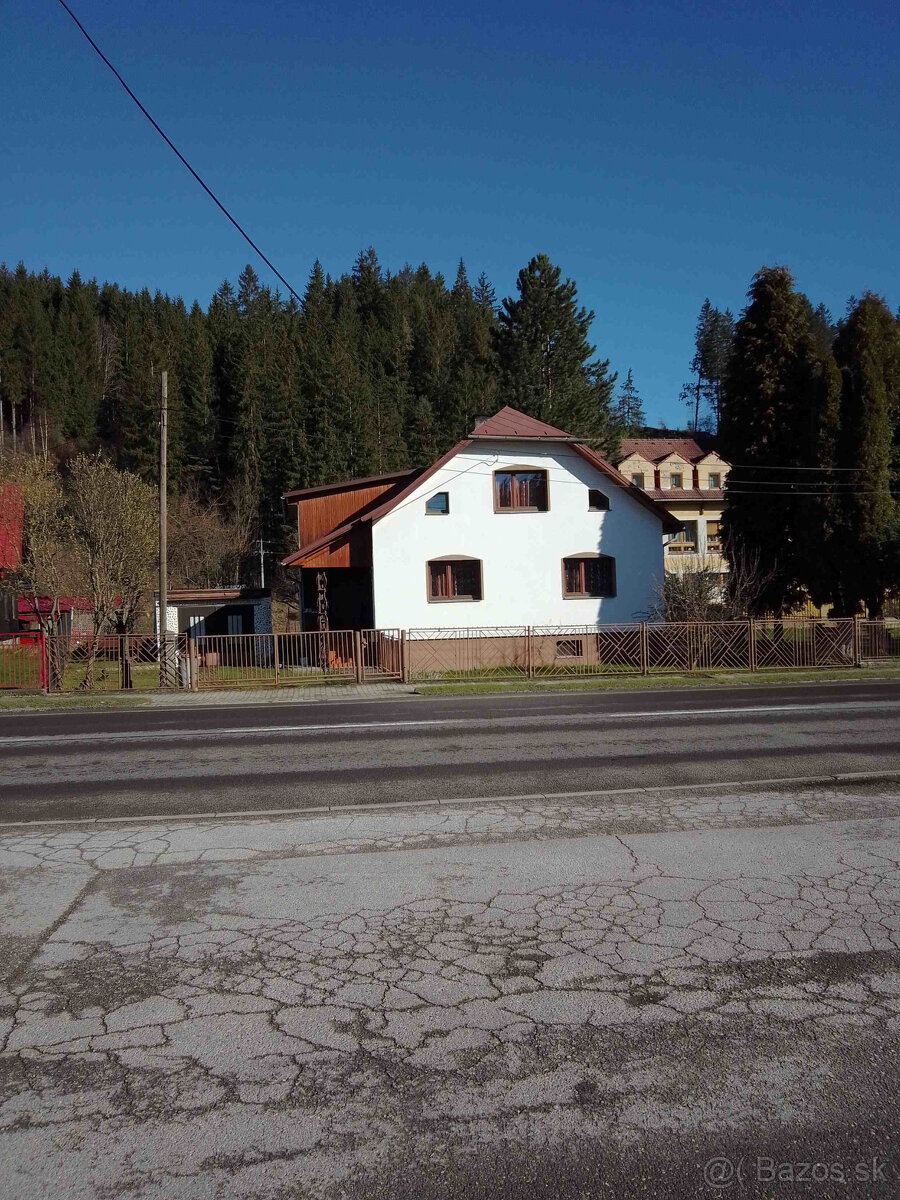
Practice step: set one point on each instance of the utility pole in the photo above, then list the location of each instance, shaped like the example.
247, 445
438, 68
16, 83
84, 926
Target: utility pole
165, 672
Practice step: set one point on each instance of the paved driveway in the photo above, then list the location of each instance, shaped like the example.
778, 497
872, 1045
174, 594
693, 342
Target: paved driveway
490, 1000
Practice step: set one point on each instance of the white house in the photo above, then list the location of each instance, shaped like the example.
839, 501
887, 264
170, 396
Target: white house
518, 524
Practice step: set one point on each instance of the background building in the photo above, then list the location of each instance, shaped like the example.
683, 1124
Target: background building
688, 478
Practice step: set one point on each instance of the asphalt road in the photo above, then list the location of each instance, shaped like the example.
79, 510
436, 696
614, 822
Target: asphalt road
645, 998
133, 763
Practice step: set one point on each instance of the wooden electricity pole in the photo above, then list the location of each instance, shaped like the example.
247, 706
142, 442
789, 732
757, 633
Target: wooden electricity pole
165, 671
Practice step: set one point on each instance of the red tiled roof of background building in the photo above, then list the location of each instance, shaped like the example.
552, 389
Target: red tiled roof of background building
509, 423
11, 518
27, 612
656, 449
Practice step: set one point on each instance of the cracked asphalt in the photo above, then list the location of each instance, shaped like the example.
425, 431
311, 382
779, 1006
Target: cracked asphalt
550, 1000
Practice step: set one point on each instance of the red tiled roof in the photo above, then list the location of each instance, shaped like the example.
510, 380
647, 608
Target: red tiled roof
510, 423
26, 610
656, 449
11, 517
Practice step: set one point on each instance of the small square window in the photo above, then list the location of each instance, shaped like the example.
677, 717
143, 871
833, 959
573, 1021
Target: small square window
637, 480
676, 481
569, 648
715, 481
438, 504
597, 500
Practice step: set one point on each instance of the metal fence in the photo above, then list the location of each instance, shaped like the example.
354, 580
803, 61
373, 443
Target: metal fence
136, 662
22, 661
645, 648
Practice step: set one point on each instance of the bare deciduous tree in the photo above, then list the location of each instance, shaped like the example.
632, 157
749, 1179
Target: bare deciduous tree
206, 546
697, 592
114, 526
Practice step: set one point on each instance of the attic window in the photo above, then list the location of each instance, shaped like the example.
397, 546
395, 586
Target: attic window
438, 504
676, 481
597, 500
715, 481
637, 479
520, 491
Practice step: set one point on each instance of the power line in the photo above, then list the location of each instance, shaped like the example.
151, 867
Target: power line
765, 467
246, 236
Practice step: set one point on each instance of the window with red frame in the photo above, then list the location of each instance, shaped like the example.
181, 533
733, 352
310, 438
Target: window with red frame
590, 576
520, 491
454, 579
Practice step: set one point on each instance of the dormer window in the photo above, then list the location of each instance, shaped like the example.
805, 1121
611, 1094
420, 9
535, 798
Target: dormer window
597, 501
676, 480
637, 479
715, 481
520, 490
438, 504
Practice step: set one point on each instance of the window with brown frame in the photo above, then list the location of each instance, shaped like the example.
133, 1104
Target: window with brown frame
452, 579
589, 575
520, 491
715, 480
676, 481
597, 501
637, 479
438, 504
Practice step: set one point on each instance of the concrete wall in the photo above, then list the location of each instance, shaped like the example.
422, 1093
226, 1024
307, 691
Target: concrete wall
521, 553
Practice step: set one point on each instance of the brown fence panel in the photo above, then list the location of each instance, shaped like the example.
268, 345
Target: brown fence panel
879, 640
799, 643
698, 646
491, 653
81, 662
306, 659
233, 660
22, 660
382, 653
565, 651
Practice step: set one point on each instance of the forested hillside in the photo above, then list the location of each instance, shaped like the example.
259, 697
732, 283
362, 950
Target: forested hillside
371, 372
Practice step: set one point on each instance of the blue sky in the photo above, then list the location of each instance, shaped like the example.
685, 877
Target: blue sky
659, 152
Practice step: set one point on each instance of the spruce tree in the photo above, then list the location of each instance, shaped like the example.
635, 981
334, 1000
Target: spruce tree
779, 411
547, 365
713, 339
630, 407
864, 558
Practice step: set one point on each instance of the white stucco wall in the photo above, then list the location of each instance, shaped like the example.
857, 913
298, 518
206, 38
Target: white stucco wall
521, 553
171, 618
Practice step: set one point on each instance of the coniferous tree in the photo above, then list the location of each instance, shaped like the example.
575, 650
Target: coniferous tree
547, 368
712, 350
630, 407
865, 550
779, 411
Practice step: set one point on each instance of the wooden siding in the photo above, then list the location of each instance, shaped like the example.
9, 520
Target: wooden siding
353, 549
317, 514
